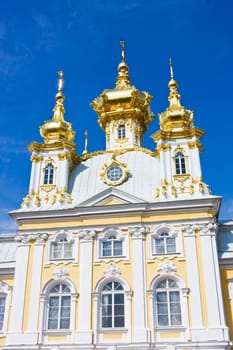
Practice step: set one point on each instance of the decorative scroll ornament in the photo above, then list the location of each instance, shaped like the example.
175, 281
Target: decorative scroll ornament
166, 268
138, 232
112, 270
4, 287
87, 235
27, 238
60, 273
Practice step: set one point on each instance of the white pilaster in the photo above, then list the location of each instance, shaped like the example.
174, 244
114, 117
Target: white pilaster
17, 311
216, 323
195, 165
34, 300
84, 334
140, 333
193, 283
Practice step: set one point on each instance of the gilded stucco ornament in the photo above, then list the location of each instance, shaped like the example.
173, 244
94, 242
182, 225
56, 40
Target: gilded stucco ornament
114, 172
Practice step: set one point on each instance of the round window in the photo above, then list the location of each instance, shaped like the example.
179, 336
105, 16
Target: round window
114, 173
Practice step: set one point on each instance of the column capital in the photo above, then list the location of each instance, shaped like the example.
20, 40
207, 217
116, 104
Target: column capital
86, 235
138, 232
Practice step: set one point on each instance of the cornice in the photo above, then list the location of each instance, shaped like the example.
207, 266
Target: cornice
209, 204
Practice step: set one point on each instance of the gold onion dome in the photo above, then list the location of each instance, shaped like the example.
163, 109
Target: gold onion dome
57, 129
124, 101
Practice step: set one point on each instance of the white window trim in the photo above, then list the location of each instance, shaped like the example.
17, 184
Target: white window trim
52, 240
173, 233
97, 316
183, 303
104, 236
5, 290
44, 307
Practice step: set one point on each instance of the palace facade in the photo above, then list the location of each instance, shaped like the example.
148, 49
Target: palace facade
122, 248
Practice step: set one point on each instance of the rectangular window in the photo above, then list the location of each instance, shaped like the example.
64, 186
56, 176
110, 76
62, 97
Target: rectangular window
2, 310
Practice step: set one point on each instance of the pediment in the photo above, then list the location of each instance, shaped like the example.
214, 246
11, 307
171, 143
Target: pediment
111, 196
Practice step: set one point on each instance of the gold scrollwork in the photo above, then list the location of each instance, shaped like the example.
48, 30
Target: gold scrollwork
181, 177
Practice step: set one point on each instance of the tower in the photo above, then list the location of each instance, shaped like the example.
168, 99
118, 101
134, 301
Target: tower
53, 160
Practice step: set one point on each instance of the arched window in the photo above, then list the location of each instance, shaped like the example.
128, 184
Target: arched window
49, 174
62, 249
121, 131
59, 306
164, 243
180, 163
112, 246
2, 310
112, 305
167, 303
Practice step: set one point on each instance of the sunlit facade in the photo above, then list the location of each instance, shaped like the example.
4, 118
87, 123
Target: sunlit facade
120, 248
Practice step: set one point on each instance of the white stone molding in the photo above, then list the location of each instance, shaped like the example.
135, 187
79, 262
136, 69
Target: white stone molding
166, 268
112, 271
138, 232
86, 235
60, 273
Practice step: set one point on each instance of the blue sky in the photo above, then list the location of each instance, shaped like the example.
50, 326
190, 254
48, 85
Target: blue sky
38, 38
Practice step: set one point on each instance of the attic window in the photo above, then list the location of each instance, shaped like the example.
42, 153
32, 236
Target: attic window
49, 174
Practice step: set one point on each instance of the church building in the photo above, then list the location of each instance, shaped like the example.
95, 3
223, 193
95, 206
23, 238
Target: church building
119, 249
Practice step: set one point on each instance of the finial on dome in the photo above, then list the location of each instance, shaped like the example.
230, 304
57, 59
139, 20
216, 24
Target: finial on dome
173, 85
122, 43
85, 151
123, 79
60, 81
171, 68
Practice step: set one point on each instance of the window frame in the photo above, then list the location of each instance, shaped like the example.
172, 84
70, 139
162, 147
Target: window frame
183, 293
49, 174
167, 304
172, 233
111, 296
60, 296
121, 131
104, 237
45, 306
54, 241
65, 245
99, 331
180, 163
6, 293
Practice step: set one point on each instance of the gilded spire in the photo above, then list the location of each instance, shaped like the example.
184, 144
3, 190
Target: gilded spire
123, 79
57, 128
174, 97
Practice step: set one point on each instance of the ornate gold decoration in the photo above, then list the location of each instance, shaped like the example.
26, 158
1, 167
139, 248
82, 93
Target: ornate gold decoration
195, 144
64, 156
36, 158
124, 102
181, 177
114, 162
163, 147
191, 189
47, 188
